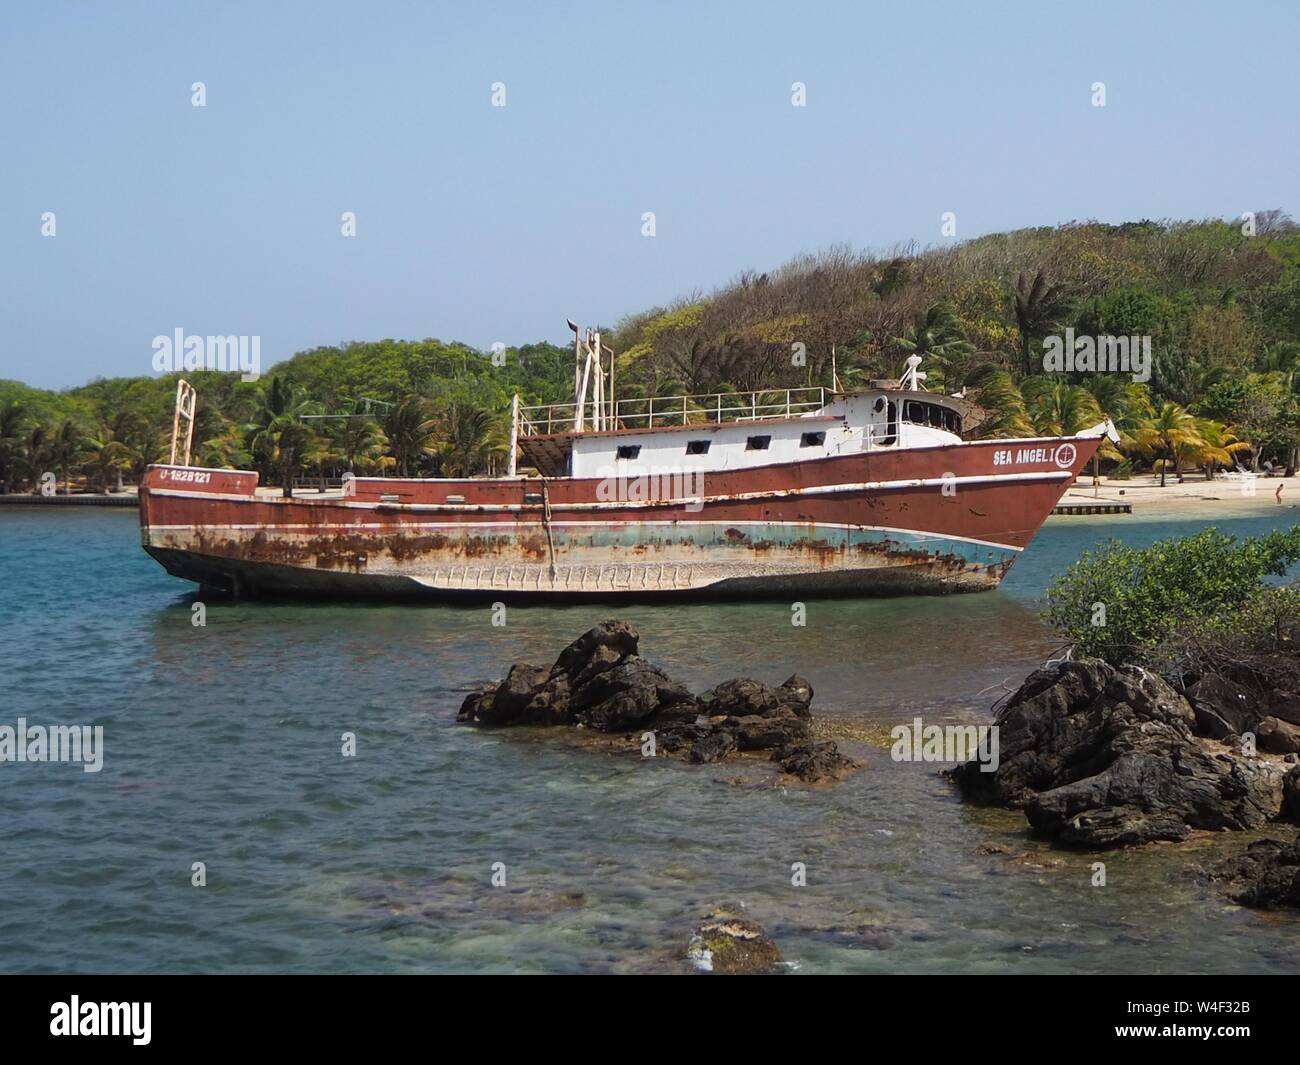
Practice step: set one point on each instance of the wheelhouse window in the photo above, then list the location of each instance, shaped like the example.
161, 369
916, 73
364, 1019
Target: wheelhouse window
698, 447
758, 443
933, 415
812, 440
629, 451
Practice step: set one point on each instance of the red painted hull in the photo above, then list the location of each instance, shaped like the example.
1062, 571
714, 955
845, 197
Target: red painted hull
936, 519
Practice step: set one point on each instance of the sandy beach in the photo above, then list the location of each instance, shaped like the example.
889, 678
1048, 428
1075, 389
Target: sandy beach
1194, 498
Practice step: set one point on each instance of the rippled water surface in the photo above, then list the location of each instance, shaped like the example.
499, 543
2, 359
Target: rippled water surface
222, 746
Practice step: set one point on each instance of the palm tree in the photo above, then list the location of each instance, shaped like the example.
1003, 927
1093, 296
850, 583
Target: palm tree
358, 442
1126, 403
937, 333
1219, 445
469, 437
108, 456
1038, 307
281, 443
1172, 431
67, 449
35, 455
1003, 405
227, 450
1058, 408
412, 432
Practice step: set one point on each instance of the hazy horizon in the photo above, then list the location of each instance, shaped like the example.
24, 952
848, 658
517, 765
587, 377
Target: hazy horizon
483, 224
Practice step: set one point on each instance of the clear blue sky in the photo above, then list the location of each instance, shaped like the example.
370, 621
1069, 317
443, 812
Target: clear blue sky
484, 224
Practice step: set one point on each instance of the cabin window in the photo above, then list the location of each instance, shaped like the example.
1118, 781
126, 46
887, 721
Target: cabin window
629, 451
698, 447
455, 499
812, 440
534, 497
758, 443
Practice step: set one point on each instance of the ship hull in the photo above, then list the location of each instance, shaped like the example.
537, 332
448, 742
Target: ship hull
933, 520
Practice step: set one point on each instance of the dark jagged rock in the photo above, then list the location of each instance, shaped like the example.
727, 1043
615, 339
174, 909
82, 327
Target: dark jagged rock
513, 694
713, 747
762, 732
1291, 794
550, 703
682, 735
727, 942
618, 637
476, 702
1278, 736
625, 694
1285, 705
601, 682
1102, 757
1265, 875
747, 698
813, 762
1223, 708
1117, 826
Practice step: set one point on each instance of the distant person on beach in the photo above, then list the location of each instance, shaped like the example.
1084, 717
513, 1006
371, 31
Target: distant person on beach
1278, 494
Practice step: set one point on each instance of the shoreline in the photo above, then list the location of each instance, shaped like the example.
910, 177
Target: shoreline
1194, 499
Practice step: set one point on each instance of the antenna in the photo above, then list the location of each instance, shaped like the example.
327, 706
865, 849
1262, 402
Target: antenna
912, 377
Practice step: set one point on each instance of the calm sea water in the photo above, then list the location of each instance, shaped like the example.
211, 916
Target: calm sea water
222, 746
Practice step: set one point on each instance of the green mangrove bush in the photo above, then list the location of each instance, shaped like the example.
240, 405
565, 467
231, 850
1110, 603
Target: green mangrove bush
1120, 603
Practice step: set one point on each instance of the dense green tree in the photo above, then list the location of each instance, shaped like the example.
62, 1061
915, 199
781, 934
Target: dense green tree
14, 428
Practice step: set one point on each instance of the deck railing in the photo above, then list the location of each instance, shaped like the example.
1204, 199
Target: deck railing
710, 408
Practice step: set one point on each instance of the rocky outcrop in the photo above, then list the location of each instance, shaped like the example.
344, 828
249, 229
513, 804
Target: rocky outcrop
727, 942
1278, 736
1266, 875
1291, 795
601, 682
1102, 757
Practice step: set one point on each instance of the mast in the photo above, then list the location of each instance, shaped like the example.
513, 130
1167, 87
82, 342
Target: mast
514, 432
186, 398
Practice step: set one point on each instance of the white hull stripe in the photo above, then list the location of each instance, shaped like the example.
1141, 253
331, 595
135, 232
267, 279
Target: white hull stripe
739, 497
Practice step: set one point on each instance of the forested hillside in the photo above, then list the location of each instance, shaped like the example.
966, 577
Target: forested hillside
1219, 300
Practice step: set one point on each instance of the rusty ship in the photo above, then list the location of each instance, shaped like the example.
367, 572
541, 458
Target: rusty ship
811, 491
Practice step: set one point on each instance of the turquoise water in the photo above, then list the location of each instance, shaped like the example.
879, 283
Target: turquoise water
222, 746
